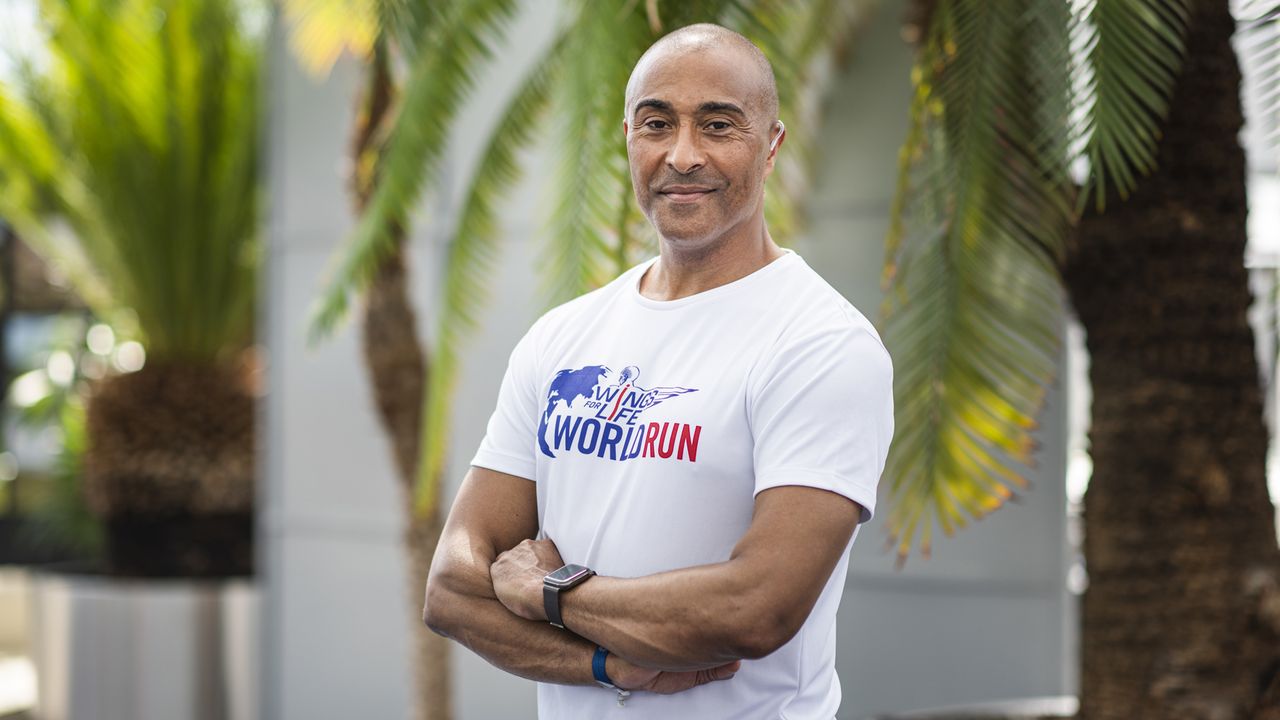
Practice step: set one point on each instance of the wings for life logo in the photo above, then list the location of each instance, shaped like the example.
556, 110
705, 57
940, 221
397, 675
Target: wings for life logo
600, 416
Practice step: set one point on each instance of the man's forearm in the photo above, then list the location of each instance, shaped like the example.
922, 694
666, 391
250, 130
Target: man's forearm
534, 650
743, 608
492, 514
679, 620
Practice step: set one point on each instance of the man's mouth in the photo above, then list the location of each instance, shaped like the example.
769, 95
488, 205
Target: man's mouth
685, 193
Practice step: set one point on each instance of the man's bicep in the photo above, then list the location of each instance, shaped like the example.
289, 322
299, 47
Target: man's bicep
492, 513
796, 537
493, 510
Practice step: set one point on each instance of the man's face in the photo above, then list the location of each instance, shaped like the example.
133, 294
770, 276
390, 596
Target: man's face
698, 144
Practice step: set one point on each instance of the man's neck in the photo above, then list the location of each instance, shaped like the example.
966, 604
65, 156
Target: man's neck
677, 275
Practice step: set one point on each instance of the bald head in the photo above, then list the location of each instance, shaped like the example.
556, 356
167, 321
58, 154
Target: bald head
709, 38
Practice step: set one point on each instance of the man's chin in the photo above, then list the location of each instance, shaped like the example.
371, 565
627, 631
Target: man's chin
683, 240
687, 234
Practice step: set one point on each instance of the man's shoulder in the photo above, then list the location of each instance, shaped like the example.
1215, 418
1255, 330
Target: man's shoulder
815, 309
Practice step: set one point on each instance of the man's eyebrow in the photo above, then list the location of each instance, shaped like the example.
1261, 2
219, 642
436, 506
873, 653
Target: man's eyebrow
724, 107
703, 109
654, 103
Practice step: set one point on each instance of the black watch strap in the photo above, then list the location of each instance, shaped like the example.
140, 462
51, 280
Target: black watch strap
551, 601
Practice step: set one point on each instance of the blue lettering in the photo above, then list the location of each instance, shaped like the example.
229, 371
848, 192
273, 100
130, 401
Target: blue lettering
565, 432
639, 435
585, 445
607, 394
612, 433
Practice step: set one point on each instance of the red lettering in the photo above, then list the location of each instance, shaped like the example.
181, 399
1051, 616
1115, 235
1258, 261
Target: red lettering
689, 442
666, 448
650, 434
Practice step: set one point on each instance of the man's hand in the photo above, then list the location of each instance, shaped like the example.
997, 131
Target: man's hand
517, 577
630, 676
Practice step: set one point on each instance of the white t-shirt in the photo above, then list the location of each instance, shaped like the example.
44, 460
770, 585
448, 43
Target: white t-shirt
649, 428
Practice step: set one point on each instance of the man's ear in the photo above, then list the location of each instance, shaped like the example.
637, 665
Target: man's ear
777, 139
625, 128
773, 148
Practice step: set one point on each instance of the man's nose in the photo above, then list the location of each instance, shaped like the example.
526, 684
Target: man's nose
685, 154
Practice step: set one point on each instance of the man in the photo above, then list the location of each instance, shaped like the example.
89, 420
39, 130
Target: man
703, 435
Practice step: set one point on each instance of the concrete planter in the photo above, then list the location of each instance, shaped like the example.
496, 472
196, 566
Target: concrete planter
172, 649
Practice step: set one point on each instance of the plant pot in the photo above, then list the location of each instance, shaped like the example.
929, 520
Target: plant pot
171, 649
1055, 707
191, 545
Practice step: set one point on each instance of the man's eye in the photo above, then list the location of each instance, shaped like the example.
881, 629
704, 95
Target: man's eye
656, 124
718, 125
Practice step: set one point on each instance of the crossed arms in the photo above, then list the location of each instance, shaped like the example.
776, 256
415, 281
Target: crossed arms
665, 632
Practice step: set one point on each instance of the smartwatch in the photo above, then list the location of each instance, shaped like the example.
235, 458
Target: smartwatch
566, 578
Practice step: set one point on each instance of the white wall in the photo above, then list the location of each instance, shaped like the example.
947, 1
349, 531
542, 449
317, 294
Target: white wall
334, 618
987, 617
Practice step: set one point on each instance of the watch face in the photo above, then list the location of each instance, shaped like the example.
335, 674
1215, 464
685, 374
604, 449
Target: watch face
568, 575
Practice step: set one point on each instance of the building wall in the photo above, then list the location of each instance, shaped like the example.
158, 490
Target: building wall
987, 617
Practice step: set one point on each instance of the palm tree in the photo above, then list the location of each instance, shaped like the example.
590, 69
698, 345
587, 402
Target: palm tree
1181, 617
598, 233
390, 163
128, 157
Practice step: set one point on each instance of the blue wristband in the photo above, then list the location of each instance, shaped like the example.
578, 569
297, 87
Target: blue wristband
597, 667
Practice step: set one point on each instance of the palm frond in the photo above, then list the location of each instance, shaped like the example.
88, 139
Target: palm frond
802, 42
320, 31
440, 78
140, 139
408, 23
1134, 49
973, 303
471, 262
1258, 39
601, 49
30, 164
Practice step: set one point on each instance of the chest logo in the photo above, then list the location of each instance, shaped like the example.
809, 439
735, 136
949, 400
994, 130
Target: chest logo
599, 414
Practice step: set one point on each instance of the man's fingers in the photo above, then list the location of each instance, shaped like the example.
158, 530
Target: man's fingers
723, 672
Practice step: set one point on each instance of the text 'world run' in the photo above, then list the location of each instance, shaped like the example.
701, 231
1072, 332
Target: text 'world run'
590, 436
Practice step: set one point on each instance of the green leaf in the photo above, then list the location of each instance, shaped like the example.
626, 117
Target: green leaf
129, 160
973, 295
471, 262
441, 77
1134, 49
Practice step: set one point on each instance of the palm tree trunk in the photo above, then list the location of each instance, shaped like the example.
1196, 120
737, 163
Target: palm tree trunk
397, 369
1181, 617
397, 372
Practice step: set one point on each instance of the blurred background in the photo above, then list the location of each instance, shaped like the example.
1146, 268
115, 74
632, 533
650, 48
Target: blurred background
262, 265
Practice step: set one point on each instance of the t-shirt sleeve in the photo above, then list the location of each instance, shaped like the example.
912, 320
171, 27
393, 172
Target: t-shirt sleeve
821, 414
510, 437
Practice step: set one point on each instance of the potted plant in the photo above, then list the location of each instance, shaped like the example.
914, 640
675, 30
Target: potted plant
128, 157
